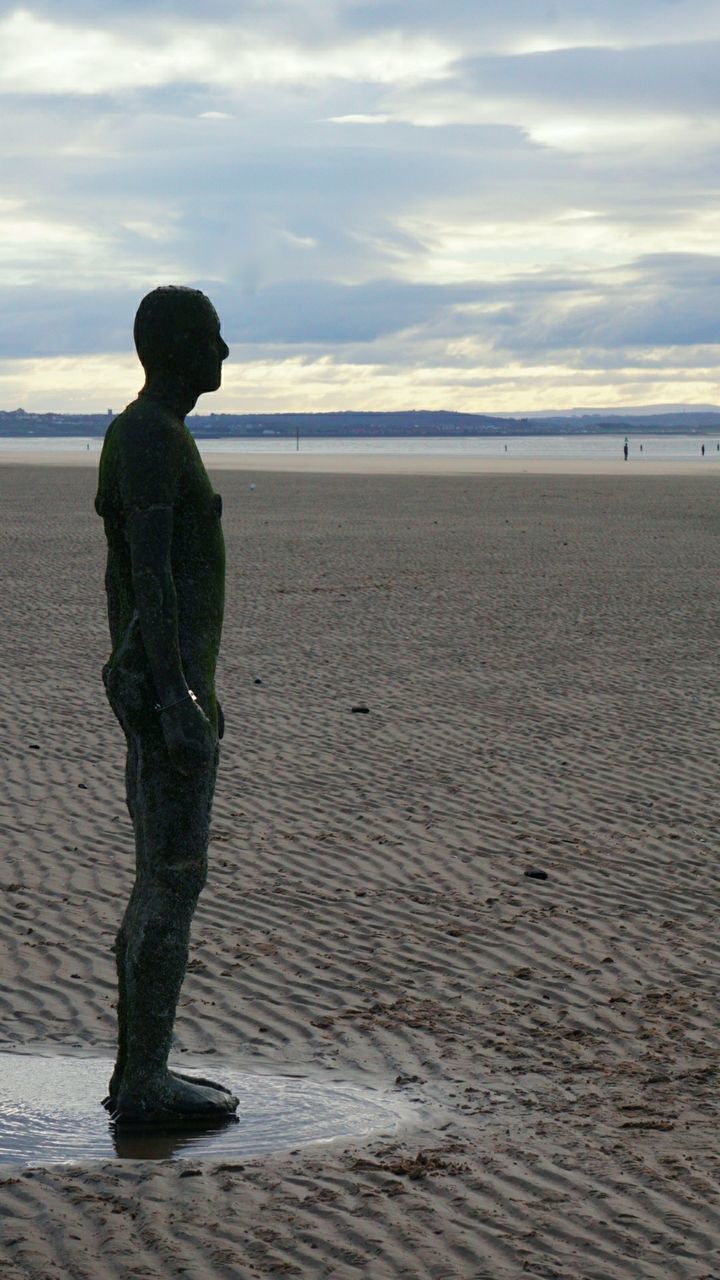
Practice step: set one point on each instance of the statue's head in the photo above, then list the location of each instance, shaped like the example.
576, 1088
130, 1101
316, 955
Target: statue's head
177, 331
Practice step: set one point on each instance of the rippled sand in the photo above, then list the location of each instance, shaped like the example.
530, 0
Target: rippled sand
539, 660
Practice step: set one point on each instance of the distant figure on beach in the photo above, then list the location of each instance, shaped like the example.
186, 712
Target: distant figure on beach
626, 450
702, 450
165, 583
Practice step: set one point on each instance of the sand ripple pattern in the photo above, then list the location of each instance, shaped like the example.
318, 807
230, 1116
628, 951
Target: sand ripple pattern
538, 656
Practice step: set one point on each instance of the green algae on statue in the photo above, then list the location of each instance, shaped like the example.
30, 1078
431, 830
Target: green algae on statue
165, 584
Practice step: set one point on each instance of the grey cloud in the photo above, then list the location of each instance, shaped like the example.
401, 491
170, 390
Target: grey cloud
262, 197
109, 12
682, 76
662, 320
487, 24
474, 24
669, 301
37, 322
51, 322
300, 229
681, 270
294, 314
664, 304
307, 312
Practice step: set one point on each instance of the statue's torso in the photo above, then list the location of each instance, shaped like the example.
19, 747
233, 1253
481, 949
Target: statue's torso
150, 458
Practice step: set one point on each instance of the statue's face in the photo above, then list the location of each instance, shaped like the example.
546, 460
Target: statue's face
209, 349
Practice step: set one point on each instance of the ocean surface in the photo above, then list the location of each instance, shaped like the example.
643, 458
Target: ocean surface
655, 448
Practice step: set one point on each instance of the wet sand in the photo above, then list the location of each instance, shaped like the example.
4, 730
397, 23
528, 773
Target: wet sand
397, 464
539, 659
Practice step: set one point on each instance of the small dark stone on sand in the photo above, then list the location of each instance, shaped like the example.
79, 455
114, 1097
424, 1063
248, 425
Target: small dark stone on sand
82, 786
535, 874
362, 710
34, 746
257, 680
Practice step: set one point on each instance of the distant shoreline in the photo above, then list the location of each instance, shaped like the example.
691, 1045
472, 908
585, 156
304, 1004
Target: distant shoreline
405, 424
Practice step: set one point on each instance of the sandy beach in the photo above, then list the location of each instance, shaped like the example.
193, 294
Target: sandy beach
538, 656
391, 464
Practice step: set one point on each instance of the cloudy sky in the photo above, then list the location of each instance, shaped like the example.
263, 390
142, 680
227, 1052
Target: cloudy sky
507, 205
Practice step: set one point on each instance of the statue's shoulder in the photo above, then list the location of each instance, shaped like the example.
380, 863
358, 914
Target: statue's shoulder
145, 425
141, 459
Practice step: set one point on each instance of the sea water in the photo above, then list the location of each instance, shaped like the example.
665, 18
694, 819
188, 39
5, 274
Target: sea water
589, 447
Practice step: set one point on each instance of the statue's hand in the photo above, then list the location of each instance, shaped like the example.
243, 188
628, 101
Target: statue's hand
189, 736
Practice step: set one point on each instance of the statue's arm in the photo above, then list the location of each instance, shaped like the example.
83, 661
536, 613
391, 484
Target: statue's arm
150, 536
189, 736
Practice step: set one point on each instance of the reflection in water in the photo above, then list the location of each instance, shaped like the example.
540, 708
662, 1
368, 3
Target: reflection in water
166, 1143
51, 1112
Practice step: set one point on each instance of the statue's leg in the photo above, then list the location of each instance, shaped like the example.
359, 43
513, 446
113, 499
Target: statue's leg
131, 772
173, 812
127, 928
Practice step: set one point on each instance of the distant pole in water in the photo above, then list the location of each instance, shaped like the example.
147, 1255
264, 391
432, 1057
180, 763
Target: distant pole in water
702, 450
297, 438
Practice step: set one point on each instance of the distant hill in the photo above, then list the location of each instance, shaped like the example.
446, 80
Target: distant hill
628, 410
412, 422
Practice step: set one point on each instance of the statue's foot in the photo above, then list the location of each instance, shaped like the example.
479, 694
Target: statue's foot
110, 1102
171, 1099
207, 1084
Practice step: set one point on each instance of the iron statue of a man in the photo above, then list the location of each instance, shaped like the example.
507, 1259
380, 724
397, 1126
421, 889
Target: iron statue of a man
165, 595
